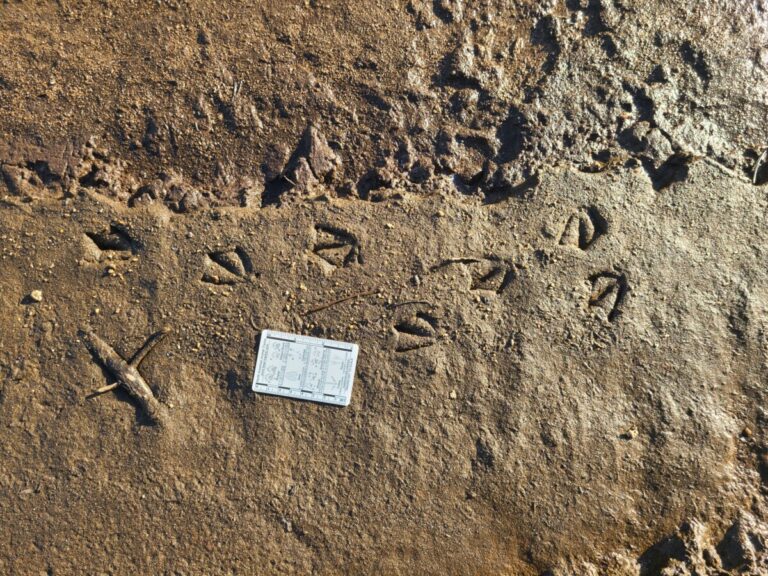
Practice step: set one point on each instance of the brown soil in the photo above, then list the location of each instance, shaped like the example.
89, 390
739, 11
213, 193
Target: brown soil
550, 219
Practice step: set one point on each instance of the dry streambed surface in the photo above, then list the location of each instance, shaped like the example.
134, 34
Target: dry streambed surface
543, 223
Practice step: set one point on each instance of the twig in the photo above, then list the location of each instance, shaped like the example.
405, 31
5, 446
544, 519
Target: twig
341, 301
102, 390
146, 348
236, 89
126, 374
408, 302
459, 260
758, 165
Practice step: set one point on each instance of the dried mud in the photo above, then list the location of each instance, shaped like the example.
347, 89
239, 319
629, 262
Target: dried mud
543, 223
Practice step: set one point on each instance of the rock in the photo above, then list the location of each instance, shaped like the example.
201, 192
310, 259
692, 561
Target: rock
462, 61
406, 155
450, 10
190, 201
630, 433
147, 194
302, 177
204, 37
423, 17
314, 161
36, 295
250, 196
691, 551
321, 157
275, 160
287, 525
745, 544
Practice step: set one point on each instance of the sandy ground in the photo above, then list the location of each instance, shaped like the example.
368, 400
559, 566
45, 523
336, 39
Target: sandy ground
543, 224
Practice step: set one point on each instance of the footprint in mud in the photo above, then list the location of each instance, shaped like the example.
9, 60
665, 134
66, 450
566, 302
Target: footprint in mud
113, 240
608, 292
487, 274
415, 331
336, 247
25, 178
227, 267
583, 228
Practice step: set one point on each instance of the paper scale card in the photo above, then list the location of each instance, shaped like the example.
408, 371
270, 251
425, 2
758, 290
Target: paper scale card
304, 367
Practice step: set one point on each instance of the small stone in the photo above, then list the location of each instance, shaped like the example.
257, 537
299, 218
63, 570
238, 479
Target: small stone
630, 434
204, 37
452, 395
190, 202
250, 196
321, 157
274, 163
462, 61
303, 178
452, 9
747, 432
36, 295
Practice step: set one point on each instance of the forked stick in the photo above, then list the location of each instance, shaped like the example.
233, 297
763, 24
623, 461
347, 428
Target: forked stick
126, 374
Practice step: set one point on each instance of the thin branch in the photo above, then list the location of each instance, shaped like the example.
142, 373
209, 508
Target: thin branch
341, 301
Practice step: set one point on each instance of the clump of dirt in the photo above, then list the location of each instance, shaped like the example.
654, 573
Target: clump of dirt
543, 223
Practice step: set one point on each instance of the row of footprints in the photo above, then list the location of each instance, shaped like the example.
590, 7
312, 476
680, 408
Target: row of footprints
333, 246
221, 266
337, 248
419, 330
582, 229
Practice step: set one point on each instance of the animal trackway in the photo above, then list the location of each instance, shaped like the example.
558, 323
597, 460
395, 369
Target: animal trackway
126, 374
114, 239
608, 292
227, 266
417, 331
337, 247
489, 274
583, 228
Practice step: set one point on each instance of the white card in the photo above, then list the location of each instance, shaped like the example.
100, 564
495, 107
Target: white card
305, 367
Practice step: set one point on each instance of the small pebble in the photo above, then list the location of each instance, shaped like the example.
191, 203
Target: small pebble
36, 295
630, 434
452, 395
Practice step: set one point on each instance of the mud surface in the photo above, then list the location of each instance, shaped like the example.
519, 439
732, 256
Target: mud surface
543, 223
